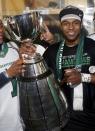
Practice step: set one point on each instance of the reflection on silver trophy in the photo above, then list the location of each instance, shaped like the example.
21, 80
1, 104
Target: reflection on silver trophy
43, 106
23, 27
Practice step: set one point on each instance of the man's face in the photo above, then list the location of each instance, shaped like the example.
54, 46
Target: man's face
1, 32
71, 29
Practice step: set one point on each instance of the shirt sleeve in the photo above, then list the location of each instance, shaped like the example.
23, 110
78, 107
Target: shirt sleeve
4, 79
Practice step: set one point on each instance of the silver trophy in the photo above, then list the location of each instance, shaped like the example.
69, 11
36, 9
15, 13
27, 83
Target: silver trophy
23, 27
43, 106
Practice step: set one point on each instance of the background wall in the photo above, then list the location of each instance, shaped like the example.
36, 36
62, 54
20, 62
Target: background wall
11, 7
50, 7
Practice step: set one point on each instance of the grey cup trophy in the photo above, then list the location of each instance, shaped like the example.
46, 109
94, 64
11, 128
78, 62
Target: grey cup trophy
43, 106
22, 27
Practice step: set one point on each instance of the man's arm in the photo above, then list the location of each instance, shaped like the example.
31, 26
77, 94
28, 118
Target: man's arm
74, 77
14, 70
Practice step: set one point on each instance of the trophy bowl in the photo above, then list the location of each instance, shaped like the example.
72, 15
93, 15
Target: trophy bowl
22, 27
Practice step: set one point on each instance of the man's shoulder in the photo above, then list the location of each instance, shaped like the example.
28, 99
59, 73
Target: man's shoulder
54, 46
51, 50
89, 40
92, 36
89, 45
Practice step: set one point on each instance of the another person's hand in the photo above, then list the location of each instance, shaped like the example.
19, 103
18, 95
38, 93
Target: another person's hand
27, 48
16, 68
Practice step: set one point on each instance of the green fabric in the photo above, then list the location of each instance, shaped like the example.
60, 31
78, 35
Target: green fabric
79, 53
54, 94
4, 50
14, 84
59, 60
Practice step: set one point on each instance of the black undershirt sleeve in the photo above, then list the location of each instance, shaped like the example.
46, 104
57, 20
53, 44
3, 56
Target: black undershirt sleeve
3, 79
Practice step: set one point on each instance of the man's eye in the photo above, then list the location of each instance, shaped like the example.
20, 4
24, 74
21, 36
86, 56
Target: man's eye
65, 24
76, 23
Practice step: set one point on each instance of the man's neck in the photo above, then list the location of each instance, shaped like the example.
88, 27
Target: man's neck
72, 43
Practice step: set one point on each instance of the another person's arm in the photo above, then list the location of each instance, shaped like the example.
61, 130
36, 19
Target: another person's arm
4, 78
15, 69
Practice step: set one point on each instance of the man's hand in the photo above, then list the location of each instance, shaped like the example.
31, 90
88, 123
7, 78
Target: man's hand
27, 48
72, 76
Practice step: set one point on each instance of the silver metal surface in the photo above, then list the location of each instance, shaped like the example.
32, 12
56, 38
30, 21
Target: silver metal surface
22, 27
43, 105
35, 66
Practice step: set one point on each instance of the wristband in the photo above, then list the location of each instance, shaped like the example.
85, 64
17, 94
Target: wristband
86, 77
